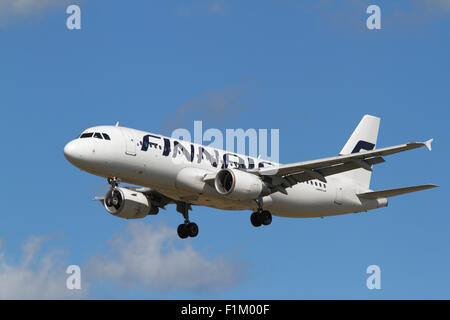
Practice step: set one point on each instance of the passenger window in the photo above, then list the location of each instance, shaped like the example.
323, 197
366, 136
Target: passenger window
106, 136
315, 183
86, 135
98, 135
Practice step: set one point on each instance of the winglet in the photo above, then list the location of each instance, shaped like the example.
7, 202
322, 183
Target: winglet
428, 144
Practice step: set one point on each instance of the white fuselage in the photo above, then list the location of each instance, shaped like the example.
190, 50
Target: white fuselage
176, 169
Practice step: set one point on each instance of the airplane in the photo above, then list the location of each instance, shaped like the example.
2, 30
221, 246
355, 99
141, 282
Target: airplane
165, 171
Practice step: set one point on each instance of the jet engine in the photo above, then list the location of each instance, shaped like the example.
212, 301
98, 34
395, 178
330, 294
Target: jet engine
126, 203
239, 185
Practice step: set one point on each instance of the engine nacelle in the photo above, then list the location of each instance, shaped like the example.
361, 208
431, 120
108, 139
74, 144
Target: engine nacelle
239, 185
127, 204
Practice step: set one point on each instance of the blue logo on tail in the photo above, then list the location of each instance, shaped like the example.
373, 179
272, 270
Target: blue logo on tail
363, 145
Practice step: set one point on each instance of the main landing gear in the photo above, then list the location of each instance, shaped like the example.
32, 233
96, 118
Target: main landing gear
260, 217
187, 229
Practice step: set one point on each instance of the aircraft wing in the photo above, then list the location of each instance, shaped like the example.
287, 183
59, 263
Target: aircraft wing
156, 198
287, 175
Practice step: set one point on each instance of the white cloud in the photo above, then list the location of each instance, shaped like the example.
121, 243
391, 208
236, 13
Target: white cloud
23, 7
143, 257
212, 106
217, 6
11, 10
147, 257
35, 276
443, 4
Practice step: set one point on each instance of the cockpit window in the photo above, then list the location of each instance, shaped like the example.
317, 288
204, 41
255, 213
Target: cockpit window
86, 135
97, 135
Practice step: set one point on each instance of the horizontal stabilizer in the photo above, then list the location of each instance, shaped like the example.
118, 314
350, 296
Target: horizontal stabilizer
101, 199
394, 192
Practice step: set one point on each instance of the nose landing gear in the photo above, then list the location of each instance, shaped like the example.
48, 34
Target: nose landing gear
115, 198
114, 182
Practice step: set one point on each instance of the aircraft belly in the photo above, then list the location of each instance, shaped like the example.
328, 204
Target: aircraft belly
208, 201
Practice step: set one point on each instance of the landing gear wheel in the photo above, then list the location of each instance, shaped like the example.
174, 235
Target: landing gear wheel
188, 229
266, 218
255, 219
192, 229
182, 231
259, 218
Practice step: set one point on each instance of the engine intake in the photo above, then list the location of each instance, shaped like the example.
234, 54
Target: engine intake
127, 204
239, 185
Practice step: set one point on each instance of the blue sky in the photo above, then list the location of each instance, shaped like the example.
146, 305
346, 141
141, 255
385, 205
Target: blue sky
311, 70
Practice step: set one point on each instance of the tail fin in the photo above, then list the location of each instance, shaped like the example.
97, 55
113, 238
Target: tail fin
363, 138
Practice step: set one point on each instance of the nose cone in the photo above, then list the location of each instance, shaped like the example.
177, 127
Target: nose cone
71, 153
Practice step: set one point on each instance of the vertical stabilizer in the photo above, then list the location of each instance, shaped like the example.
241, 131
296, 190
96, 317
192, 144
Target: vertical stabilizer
364, 138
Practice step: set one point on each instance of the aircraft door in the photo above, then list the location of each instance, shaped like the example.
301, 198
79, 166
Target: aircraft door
338, 198
130, 141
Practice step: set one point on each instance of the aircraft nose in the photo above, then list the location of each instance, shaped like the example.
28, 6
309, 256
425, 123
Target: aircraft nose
70, 152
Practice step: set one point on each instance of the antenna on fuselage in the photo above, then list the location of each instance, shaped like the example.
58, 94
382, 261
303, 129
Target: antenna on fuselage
117, 123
